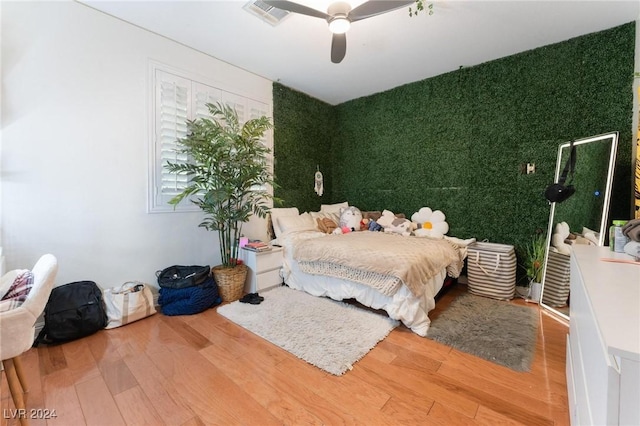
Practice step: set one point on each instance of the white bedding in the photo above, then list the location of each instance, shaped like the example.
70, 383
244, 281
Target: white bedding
403, 305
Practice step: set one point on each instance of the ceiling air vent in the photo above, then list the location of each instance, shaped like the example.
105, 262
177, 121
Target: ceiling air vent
265, 12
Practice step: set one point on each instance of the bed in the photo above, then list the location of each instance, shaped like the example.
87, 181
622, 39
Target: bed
399, 274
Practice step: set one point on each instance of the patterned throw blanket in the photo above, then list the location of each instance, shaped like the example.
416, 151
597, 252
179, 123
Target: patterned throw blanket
18, 291
380, 260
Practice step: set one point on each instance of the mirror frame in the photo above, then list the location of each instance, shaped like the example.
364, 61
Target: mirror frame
605, 206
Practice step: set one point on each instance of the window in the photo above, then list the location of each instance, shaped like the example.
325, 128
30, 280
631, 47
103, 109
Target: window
174, 100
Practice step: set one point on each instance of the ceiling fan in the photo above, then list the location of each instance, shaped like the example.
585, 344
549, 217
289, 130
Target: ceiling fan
339, 16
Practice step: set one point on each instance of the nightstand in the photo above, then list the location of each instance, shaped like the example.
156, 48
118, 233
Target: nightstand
264, 269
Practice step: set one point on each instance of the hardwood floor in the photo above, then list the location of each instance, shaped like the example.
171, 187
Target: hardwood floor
203, 369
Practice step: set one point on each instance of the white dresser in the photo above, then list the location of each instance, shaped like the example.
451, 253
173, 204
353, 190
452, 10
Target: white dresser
264, 269
603, 348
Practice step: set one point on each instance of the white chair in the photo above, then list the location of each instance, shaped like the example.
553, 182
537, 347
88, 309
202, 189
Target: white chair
17, 326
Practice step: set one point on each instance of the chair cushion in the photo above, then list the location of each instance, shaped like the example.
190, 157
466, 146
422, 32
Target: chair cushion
18, 291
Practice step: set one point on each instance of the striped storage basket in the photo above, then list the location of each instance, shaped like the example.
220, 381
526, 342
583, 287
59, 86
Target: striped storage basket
491, 270
556, 280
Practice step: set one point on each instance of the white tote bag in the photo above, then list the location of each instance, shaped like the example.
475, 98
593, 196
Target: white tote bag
127, 303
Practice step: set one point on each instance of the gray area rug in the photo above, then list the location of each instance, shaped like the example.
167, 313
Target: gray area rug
328, 334
494, 330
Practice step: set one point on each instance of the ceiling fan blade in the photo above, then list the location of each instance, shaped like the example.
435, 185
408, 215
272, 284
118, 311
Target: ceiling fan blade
375, 7
295, 7
338, 47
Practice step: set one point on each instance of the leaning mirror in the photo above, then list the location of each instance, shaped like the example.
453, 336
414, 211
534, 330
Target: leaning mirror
580, 219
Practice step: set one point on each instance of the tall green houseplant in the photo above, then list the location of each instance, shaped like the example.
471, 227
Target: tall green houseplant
228, 173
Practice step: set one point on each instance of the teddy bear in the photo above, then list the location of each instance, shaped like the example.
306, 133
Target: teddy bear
326, 225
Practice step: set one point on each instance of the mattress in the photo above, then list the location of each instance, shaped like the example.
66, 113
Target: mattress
403, 305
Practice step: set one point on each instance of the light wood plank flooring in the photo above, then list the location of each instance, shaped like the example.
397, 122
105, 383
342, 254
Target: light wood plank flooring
203, 369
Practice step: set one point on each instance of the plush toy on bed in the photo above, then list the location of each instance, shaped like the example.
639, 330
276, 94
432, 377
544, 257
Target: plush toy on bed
374, 226
560, 234
430, 223
326, 225
350, 218
391, 223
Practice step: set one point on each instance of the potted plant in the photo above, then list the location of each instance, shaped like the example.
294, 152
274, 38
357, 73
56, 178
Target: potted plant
228, 178
534, 264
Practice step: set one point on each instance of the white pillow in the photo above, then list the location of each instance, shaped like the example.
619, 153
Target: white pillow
335, 216
277, 213
303, 222
333, 208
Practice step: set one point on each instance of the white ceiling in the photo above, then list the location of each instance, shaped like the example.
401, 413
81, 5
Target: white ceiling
383, 52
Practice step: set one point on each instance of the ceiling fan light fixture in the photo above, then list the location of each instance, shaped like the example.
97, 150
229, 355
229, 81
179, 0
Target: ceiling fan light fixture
339, 25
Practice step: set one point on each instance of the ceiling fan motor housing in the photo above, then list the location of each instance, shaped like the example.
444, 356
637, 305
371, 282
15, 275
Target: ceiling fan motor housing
338, 18
339, 8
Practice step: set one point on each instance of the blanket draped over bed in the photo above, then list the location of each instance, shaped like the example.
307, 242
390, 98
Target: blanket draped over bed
380, 260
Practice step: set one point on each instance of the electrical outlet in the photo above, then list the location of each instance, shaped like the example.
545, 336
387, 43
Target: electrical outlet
531, 168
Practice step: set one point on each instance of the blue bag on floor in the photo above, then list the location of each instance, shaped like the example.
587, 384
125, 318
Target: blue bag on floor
189, 300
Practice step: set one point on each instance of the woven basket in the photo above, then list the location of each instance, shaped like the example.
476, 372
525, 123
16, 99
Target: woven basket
230, 281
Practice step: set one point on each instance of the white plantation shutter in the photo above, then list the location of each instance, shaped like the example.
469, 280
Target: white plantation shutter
204, 95
238, 102
176, 99
172, 111
256, 110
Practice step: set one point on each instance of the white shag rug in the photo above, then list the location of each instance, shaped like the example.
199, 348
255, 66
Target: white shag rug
328, 334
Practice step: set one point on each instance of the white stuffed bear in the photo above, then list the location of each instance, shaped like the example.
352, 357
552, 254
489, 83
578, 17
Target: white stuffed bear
430, 223
394, 224
350, 218
560, 234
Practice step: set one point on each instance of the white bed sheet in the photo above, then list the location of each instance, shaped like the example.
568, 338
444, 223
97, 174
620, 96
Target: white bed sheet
403, 305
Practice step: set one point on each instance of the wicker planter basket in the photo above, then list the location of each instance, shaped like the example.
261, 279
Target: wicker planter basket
230, 281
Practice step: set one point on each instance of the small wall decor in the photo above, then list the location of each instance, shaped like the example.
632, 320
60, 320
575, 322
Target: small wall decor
319, 185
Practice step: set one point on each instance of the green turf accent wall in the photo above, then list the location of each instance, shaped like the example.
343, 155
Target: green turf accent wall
455, 142
302, 144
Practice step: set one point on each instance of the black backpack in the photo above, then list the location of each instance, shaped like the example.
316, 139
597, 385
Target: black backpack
73, 311
180, 276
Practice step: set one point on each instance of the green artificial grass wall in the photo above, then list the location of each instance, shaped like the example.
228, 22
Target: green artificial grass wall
302, 145
456, 142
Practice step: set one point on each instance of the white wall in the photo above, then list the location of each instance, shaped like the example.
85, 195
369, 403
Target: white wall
75, 145
2, 263
635, 131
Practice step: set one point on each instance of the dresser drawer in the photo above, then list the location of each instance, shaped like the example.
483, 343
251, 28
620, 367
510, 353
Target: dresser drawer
268, 279
268, 261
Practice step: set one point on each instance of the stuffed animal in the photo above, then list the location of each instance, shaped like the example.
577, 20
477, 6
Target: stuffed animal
394, 224
326, 225
374, 226
350, 218
430, 223
560, 234
590, 235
